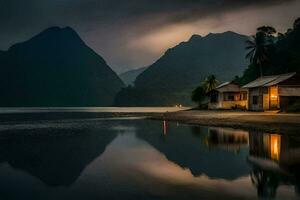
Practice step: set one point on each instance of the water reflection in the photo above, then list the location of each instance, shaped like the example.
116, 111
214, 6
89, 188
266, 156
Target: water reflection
204, 151
165, 127
228, 139
275, 160
56, 157
141, 159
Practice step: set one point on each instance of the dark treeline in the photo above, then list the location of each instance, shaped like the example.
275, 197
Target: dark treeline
272, 53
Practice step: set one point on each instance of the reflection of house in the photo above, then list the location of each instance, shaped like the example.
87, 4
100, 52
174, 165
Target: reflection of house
273, 92
266, 146
275, 159
227, 96
275, 148
229, 139
187, 148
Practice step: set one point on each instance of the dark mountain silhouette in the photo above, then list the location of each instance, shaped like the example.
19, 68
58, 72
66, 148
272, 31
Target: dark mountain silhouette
171, 79
129, 77
55, 156
56, 68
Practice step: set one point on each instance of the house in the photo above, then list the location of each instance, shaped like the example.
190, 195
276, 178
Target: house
228, 96
273, 92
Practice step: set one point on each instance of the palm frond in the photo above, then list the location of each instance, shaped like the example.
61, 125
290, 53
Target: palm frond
250, 42
250, 54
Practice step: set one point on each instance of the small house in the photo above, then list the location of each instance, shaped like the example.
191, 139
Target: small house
228, 96
273, 92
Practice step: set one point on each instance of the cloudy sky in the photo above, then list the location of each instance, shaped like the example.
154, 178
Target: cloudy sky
134, 33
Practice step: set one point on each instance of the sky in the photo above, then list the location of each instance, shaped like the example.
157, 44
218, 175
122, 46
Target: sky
135, 33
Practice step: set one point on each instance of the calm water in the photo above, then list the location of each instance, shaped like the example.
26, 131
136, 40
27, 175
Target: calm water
130, 158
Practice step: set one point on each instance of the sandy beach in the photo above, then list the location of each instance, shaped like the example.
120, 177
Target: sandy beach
266, 121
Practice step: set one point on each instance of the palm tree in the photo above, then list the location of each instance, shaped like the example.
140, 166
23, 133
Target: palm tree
210, 83
257, 47
268, 30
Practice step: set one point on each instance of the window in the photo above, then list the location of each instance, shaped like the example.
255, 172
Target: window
255, 100
230, 97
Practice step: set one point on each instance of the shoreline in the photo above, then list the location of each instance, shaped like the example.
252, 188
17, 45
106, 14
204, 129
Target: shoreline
259, 121
16, 114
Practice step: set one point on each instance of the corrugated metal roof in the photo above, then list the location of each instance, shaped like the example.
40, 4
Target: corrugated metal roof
267, 81
281, 78
229, 86
223, 84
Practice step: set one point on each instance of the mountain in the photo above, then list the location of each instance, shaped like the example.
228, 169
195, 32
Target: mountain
56, 68
129, 77
171, 79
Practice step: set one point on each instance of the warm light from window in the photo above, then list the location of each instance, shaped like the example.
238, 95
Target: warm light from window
274, 97
275, 146
274, 93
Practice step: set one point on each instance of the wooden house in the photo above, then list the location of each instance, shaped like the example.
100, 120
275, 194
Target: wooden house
273, 92
228, 96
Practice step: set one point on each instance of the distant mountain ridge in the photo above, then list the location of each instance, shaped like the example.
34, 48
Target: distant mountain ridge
56, 68
200, 56
129, 77
171, 78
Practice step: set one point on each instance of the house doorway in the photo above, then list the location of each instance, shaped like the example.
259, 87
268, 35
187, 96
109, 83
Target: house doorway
266, 102
274, 98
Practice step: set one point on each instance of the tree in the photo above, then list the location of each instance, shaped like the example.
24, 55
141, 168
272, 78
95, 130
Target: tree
267, 30
258, 53
198, 95
297, 23
273, 54
210, 83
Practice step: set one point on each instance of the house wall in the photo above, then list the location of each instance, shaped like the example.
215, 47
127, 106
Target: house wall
232, 104
259, 92
221, 104
292, 91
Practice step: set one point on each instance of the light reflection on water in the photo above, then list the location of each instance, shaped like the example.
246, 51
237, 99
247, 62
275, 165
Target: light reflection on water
142, 159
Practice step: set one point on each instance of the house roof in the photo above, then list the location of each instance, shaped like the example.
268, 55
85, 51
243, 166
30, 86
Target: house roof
229, 86
223, 84
267, 81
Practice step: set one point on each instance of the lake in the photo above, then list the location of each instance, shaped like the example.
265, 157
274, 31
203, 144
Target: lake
136, 158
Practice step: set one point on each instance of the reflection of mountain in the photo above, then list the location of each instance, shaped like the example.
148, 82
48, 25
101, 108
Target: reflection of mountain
57, 157
275, 160
188, 149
